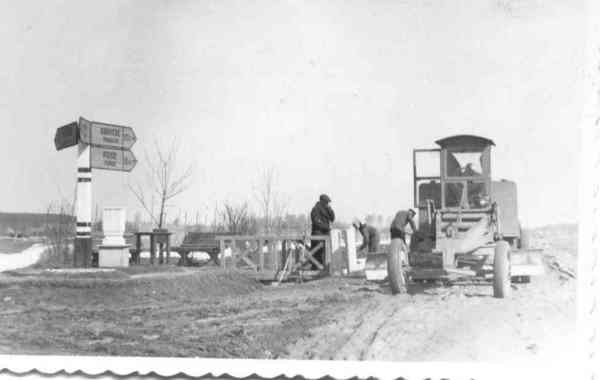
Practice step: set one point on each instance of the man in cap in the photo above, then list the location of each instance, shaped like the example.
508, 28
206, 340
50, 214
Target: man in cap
370, 237
321, 217
398, 227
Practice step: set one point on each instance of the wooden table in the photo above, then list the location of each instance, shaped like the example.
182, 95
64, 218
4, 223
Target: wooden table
161, 237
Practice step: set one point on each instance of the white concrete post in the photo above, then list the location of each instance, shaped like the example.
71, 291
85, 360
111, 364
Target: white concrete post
82, 256
113, 252
335, 235
113, 225
354, 264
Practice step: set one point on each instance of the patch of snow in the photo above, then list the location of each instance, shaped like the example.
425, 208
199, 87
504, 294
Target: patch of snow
24, 259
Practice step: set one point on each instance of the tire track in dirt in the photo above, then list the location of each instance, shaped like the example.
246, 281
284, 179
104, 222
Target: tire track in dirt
358, 344
351, 329
460, 322
327, 339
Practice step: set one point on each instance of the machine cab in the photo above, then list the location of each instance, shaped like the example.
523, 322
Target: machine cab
465, 168
456, 178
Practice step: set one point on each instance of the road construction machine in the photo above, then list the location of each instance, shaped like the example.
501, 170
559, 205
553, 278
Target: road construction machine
467, 223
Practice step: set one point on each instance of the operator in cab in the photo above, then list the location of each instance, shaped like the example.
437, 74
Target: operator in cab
469, 171
370, 237
401, 220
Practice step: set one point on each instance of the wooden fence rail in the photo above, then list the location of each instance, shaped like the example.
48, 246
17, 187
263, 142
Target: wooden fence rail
270, 254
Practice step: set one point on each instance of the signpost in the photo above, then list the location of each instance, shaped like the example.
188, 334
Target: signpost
100, 146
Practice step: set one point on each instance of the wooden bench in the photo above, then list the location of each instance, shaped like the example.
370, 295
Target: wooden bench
199, 242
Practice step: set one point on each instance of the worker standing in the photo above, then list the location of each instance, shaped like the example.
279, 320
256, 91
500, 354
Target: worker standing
370, 237
321, 217
398, 227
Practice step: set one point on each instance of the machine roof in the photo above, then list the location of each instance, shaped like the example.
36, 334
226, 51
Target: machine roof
467, 141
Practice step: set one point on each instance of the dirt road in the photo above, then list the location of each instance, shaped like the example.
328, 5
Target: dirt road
220, 314
460, 322
463, 321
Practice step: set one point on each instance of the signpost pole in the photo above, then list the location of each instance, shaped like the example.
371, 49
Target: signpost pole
82, 256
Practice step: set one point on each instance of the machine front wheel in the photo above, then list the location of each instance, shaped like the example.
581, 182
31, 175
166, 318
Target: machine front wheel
396, 274
502, 270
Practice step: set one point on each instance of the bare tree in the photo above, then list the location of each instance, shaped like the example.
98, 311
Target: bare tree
59, 231
237, 219
218, 220
271, 203
163, 181
280, 207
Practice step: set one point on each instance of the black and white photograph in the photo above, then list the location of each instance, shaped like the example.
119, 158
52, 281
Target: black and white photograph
342, 187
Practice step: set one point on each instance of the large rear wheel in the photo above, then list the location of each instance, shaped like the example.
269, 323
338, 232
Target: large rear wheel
502, 270
395, 271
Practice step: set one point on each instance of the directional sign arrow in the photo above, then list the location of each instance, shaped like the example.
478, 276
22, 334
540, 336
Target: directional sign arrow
66, 136
112, 159
107, 135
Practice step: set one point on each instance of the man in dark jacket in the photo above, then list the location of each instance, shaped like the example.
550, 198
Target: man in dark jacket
321, 217
370, 237
398, 227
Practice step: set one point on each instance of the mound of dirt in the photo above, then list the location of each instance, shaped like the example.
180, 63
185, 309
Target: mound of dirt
198, 284
145, 269
118, 287
177, 280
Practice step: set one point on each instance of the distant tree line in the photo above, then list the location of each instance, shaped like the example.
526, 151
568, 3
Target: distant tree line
32, 224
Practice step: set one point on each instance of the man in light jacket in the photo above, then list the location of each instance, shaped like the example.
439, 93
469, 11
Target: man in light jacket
370, 237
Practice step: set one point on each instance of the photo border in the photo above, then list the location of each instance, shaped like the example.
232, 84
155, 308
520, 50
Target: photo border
588, 303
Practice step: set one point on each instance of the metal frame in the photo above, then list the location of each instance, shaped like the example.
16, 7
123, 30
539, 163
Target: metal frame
417, 178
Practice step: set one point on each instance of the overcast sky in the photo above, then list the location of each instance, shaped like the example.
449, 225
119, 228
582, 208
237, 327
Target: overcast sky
332, 94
